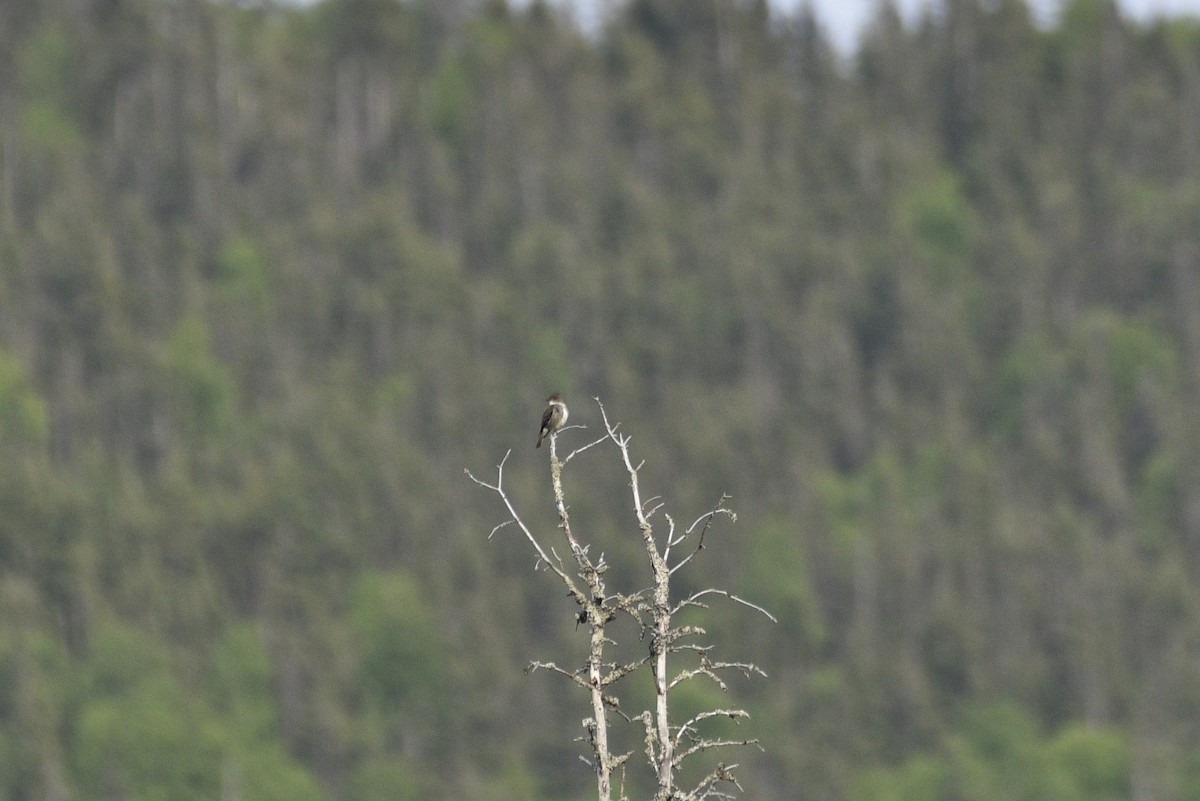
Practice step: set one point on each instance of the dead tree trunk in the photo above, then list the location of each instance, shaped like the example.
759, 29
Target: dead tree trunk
667, 744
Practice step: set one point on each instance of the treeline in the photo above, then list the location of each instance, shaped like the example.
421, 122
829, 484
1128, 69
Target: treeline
272, 276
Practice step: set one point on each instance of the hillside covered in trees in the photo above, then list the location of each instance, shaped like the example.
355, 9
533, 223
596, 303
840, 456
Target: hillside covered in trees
271, 277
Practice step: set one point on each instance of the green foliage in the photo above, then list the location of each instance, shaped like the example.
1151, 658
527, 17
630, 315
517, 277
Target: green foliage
50, 130
242, 271
940, 216
878, 315
1191, 775
263, 771
1138, 354
202, 390
1025, 369
1158, 498
122, 660
856, 503
239, 684
998, 754
778, 576
23, 417
449, 102
919, 779
1083, 19
46, 75
403, 663
387, 779
137, 731
146, 743
1096, 762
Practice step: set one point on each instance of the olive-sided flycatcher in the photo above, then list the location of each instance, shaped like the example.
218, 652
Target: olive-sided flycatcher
553, 418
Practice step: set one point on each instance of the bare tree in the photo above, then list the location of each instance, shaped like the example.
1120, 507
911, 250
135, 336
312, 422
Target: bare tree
668, 744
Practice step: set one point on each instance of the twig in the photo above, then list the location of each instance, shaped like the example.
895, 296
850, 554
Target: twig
498, 488
707, 518
583, 448
693, 598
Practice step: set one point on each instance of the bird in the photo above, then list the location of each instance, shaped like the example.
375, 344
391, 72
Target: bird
553, 418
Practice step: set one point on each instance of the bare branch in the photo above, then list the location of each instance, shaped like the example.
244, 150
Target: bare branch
498, 525
692, 601
666, 554
514, 517
684, 675
685, 631
707, 519
705, 789
583, 448
708, 516
747, 669
576, 677
580, 426
690, 646
618, 673
707, 745
499, 473
689, 728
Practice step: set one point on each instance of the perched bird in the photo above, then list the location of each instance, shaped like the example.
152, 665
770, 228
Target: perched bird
553, 418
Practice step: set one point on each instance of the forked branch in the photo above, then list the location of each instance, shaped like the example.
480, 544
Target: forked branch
666, 745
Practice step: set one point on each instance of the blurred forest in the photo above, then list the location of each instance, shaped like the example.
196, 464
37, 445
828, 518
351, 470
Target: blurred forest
271, 277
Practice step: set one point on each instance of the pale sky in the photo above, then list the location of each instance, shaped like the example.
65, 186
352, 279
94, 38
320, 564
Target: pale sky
843, 19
